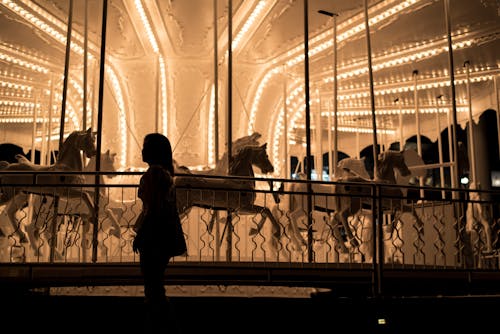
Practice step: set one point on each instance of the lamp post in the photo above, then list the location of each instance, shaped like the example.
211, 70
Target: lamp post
335, 105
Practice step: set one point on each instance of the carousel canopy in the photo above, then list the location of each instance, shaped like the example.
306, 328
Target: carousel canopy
165, 61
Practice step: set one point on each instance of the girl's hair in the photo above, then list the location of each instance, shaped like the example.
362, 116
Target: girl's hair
156, 150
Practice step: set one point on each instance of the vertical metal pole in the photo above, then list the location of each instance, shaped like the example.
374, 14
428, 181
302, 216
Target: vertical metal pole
216, 86
472, 143
417, 122
331, 169
450, 148
33, 150
99, 128
85, 54
157, 95
335, 102
49, 123
229, 80
440, 146
401, 134
43, 144
372, 93
310, 255
66, 71
216, 119
33, 128
456, 181
377, 237
495, 86
92, 103
61, 125
319, 146
285, 126
358, 145
229, 116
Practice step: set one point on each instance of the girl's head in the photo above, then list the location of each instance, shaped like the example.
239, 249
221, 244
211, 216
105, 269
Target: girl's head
156, 150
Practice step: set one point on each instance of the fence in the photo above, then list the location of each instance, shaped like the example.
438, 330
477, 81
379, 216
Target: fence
282, 232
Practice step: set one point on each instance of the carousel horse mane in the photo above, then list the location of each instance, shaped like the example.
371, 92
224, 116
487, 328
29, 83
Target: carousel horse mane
221, 167
352, 167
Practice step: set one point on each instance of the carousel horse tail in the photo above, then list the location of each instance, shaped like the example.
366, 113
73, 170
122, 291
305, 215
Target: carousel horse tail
4, 164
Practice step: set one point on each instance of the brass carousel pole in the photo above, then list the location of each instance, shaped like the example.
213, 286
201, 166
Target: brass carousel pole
99, 129
372, 94
66, 71
310, 255
456, 180
229, 224
85, 51
440, 146
49, 122
216, 86
417, 123
216, 119
61, 126
464, 238
335, 102
497, 97
472, 144
377, 216
285, 126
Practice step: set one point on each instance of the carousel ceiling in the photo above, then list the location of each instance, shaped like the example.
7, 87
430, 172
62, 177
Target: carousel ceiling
160, 70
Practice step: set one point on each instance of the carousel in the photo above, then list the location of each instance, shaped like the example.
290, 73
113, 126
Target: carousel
365, 132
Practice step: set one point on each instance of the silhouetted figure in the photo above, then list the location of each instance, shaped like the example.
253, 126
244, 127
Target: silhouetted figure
159, 233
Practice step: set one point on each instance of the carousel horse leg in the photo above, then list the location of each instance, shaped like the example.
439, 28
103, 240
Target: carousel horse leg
115, 229
333, 223
15, 204
342, 217
213, 219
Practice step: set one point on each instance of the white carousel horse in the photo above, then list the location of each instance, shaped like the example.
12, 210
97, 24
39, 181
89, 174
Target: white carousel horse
342, 211
221, 167
297, 205
69, 160
357, 201
477, 215
234, 196
72, 206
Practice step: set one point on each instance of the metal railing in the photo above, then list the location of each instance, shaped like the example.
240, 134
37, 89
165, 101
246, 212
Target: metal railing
267, 234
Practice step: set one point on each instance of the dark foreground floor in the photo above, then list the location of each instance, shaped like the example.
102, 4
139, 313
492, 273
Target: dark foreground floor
323, 314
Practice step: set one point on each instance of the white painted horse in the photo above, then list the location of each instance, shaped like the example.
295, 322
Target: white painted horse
295, 216
234, 196
69, 160
221, 167
357, 200
42, 205
342, 212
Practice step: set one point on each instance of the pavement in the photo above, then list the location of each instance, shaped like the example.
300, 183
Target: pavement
323, 313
